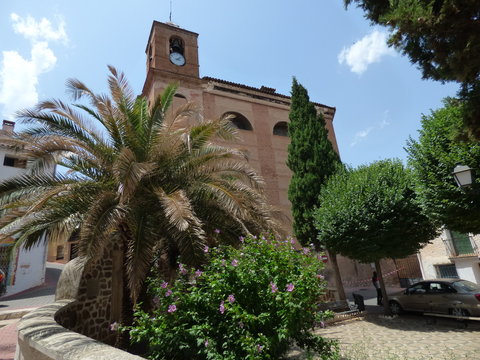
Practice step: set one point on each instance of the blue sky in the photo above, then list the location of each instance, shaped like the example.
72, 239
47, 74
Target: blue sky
336, 54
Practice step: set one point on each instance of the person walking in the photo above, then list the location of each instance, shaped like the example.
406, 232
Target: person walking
376, 283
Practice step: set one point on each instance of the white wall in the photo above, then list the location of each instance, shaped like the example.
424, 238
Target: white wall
8, 171
433, 254
468, 269
30, 269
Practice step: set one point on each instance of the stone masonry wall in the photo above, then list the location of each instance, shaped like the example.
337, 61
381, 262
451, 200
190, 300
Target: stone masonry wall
91, 313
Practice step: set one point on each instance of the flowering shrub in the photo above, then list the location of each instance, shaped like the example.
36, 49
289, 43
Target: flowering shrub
247, 303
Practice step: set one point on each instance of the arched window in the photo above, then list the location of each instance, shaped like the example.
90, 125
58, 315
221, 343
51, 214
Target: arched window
280, 129
176, 45
177, 95
240, 121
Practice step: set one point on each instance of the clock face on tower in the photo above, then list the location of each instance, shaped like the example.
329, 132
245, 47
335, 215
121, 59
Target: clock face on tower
177, 59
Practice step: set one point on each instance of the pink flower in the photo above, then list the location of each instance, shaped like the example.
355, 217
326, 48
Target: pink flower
164, 285
168, 293
114, 326
231, 299
320, 276
217, 231
206, 343
198, 273
242, 239
263, 237
292, 241
273, 287
322, 324
306, 251
172, 308
222, 307
183, 271
206, 249
290, 287
234, 262
259, 348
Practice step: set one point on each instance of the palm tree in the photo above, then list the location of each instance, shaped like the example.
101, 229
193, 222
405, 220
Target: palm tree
146, 177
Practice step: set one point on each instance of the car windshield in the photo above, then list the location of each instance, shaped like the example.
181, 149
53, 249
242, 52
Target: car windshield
465, 286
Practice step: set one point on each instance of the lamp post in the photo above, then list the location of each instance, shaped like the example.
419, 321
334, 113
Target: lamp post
462, 175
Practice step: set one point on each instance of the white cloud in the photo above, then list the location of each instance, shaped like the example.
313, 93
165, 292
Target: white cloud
38, 30
386, 119
19, 76
363, 134
368, 50
360, 136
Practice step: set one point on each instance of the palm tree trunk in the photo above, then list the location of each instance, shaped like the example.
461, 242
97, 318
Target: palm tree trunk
382, 287
338, 278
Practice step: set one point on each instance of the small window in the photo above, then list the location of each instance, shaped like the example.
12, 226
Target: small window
280, 129
60, 254
239, 121
447, 271
14, 162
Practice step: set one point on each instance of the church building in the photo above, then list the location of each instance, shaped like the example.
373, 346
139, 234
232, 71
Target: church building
260, 114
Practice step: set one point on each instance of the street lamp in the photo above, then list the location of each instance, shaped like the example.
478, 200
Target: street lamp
462, 175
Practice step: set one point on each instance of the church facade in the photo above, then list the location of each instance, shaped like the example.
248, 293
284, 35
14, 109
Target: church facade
260, 114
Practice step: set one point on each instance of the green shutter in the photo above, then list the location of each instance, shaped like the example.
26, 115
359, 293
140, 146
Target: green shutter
461, 243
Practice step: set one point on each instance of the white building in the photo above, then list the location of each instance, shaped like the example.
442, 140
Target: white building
25, 269
451, 255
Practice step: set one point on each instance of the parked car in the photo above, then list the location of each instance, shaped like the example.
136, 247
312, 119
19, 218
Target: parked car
446, 296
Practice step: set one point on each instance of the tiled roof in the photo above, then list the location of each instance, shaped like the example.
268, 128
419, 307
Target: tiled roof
263, 89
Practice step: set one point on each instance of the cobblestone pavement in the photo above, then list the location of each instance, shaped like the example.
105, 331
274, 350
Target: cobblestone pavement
407, 337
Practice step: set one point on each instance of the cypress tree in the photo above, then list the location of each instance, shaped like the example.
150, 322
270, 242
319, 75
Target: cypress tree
311, 158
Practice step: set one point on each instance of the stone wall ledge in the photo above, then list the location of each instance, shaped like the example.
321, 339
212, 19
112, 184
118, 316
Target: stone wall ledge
40, 337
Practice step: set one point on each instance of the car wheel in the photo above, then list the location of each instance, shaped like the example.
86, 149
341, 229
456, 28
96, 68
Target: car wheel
458, 312
395, 308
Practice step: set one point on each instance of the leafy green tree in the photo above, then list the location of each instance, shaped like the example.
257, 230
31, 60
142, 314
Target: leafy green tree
433, 157
139, 175
371, 213
312, 159
441, 36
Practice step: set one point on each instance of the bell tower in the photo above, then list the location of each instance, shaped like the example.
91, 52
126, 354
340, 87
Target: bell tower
172, 55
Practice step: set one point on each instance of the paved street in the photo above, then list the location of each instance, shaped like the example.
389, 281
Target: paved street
38, 296
26, 300
407, 337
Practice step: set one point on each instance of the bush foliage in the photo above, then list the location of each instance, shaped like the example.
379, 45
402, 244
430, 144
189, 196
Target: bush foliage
247, 303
